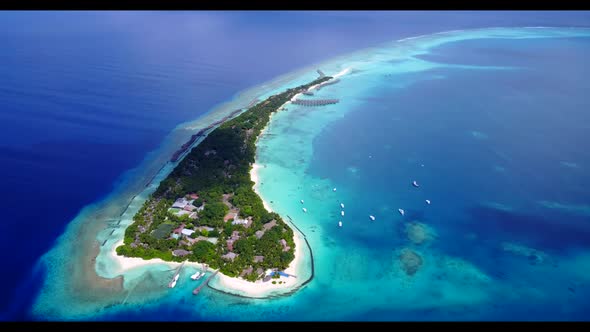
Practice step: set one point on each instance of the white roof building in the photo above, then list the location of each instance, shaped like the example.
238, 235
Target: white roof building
238, 221
180, 203
187, 232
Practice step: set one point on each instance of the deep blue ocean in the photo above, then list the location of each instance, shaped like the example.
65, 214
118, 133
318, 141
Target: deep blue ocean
85, 96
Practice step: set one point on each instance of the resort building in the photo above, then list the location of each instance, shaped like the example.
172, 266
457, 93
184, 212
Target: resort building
180, 252
179, 229
181, 203
239, 221
189, 207
247, 271
258, 259
284, 244
230, 256
187, 232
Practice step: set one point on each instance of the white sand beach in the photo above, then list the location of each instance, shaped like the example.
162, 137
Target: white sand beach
260, 288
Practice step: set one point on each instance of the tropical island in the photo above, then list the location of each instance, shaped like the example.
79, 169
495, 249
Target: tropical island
207, 211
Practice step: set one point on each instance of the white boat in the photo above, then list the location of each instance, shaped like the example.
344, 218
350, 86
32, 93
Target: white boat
301, 201
340, 224
415, 184
342, 205
334, 189
174, 280
401, 211
372, 218
197, 275
304, 210
428, 201
342, 213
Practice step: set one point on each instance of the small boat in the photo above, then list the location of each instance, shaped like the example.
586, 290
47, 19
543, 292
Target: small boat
401, 211
428, 201
174, 280
342, 205
340, 224
334, 189
301, 201
342, 213
197, 275
372, 218
304, 210
415, 184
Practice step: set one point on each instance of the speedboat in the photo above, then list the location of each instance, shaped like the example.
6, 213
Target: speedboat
401, 211
415, 184
197, 275
428, 201
342, 213
334, 189
174, 280
342, 205
340, 224
372, 218
301, 201
304, 210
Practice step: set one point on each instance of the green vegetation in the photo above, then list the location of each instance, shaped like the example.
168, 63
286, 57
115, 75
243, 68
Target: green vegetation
163, 231
218, 171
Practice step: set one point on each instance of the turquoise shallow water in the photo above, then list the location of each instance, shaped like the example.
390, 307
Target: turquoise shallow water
491, 124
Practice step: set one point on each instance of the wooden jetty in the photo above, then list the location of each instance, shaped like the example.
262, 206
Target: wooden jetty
198, 289
315, 102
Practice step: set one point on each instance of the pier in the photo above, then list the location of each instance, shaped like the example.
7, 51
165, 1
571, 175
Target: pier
198, 289
315, 102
